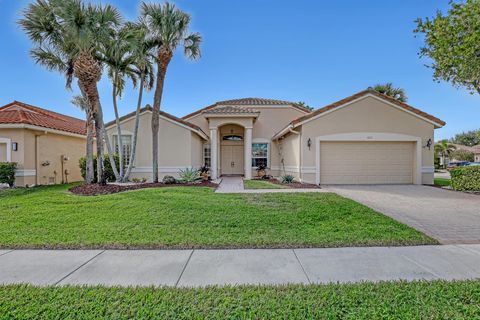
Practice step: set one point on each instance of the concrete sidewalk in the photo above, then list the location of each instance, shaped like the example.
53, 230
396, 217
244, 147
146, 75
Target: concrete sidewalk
235, 185
192, 268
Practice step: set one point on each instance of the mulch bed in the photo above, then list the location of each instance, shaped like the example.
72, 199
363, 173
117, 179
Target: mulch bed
293, 185
96, 189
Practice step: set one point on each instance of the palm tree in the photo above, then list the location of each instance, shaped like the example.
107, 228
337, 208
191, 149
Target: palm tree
129, 55
168, 27
444, 149
82, 103
68, 36
389, 90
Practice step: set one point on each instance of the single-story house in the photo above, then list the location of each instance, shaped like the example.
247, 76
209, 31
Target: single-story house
45, 145
367, 138
474, 149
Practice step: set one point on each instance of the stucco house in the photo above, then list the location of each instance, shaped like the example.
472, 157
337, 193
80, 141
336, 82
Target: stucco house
366, 138
45, 145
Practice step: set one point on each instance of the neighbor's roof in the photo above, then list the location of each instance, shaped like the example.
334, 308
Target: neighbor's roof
24, 114
236, 103
335, 105
231, 110
474, 149
162, 114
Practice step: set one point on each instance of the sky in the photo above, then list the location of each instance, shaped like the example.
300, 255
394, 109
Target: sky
305, 50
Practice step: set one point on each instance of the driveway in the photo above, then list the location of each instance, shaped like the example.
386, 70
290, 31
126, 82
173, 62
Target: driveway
448, 216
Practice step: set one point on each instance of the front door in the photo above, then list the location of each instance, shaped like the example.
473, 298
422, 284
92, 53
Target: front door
232, 159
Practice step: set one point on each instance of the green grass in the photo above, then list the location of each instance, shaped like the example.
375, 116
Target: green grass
385, 300
192, 217
261, 184
441, 182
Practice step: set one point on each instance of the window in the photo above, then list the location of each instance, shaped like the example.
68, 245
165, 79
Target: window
232, 137
260, 154
127, 147
207, 156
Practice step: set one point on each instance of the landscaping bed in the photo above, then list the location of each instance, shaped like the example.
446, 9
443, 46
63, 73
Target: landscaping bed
97, 189
192, 217
276, 184
383, 300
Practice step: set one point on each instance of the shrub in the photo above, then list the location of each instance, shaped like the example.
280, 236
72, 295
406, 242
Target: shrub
190, 175
287, 178
169, 180
466, 178
139, 180
462, 155
7, 172
109, 175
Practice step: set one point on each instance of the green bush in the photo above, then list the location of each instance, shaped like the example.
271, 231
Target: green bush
110, 176
466, 178
7, 172
288, 178
169, 180
190, 175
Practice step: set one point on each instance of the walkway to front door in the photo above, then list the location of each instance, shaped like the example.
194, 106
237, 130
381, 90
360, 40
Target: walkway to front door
235, 185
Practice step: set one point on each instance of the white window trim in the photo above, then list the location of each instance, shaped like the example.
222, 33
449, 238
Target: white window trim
115, 141
262, 140
8, 142
371, 136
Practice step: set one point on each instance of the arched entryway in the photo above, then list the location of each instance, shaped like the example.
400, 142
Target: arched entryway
231, 150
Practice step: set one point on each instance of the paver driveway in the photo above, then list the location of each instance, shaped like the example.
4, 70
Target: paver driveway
448, 216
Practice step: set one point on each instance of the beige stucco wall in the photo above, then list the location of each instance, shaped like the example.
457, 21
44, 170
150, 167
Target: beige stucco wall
289, 150
271, 120
36, 147
178, 148
367, 115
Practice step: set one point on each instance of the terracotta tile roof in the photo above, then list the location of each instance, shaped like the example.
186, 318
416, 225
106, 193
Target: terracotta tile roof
474, 149
375, 93
21, 113
162, 113
231, 110
249, 102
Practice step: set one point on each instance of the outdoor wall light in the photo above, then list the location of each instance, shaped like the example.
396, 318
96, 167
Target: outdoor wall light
429, 144
309, 143
14, 146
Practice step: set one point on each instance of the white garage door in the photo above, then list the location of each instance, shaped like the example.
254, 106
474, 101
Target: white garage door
366, 162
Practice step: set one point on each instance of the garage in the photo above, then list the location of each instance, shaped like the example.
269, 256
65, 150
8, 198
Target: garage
365, 162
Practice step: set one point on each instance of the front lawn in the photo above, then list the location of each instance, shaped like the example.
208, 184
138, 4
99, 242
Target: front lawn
442, 182
261, 184
385, 300
192, 217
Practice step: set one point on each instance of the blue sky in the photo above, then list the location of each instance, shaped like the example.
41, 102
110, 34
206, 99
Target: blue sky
312, 51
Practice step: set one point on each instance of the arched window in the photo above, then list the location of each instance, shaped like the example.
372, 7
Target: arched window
232, 137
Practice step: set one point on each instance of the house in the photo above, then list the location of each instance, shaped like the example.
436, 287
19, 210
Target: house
367, 138
474, 149
45, 145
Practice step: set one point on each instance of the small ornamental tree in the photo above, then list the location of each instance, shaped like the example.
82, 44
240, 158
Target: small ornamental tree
452, 42
7, 172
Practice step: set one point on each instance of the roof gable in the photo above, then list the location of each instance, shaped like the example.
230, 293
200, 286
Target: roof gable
24, 114
238, 103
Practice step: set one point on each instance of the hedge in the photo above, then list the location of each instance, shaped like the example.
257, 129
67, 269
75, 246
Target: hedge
7, 172
466, 178
109, 175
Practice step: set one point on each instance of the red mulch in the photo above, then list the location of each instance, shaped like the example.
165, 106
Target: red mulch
293, 185
96, 189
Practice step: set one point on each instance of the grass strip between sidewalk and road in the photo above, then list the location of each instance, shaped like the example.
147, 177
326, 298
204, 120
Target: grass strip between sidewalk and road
384, 300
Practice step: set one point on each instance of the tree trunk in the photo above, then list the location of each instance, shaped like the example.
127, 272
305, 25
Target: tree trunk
135, 130
163, 59
90, 173
119, 176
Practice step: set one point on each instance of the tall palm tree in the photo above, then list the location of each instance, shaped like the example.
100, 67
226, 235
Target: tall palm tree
168, 27
444, 149
389, 90
129, 55
82, 103
68, 35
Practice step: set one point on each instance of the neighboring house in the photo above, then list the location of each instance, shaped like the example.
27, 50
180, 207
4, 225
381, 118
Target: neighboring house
474, 149
367, 138
45, 145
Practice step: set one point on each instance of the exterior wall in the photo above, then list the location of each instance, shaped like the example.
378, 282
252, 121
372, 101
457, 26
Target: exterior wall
36, 148
178, 148
477, 157
367, 115
289, 150
271, 120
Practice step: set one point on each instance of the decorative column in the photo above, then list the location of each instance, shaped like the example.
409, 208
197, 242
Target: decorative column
213, 153
248, 153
